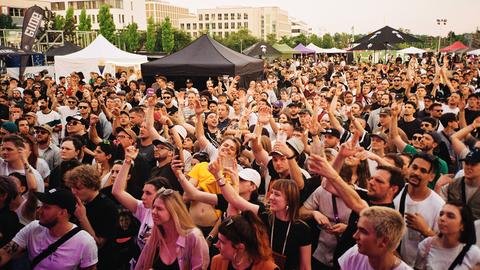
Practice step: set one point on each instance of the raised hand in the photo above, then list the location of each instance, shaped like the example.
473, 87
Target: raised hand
198, 107
131, 153
177, 166
151, 101
264, 114
320, 165
94, 119
215, 167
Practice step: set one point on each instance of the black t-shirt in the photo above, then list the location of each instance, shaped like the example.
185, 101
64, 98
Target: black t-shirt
347, 241
9, 225
103, 216
222, 204
167, 172
410, 127
172, 110
299, 236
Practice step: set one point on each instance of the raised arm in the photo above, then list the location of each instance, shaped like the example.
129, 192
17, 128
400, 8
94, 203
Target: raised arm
10, 250
394, 135
261, 156
120, 184
149, 118
199, 131
331, 109
92, 132
191, 192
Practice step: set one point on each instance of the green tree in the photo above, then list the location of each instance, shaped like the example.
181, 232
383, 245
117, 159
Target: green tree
327, 41
239, 40
130, 37
151, 35
106, 24
58, 22
315, 40
286, 40
168, 37
69, 26
182, 40
271, 38
85, 21
158, 38
6, 22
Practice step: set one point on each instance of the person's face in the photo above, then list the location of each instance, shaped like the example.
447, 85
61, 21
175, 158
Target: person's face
144, 132
67, 151
160, 214
94, 103
74, 127
408, 110
280, 163
450, 221
379, 187
149, 192
124, 120
17, 94
471, 170
397, 81
366, 237
416, 140
71, 103
427, 143
236, 105
421, 92
114, 172
226, 248
136, 118
204, 101
377, 143
419, 173
49, 215
356, 110
42, 104
212, 107
101, 156
83, 108
41, 135
223, 112
167, 99
428, 102
23, 127
384, 120
245, 186
191, 98
124, 139
161, 152
294, 110
278, 200
472, 102
10, 153
80, 191
453, 99
304, 118
437, 112
212, 120
228, 149
187, 143
348, 99
385, 100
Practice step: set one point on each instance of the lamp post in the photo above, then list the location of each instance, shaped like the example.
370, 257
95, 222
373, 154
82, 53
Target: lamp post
440, 22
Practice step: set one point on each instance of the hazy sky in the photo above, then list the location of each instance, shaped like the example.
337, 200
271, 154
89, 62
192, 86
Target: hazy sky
367, 15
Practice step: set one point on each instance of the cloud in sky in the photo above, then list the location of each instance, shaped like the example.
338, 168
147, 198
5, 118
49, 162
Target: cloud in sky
419, 16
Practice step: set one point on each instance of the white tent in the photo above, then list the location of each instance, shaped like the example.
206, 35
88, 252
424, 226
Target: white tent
474, 52
100, 56
335, 50
411, 50
317, 49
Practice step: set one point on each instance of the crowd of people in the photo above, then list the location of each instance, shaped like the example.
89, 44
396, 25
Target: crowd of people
317, 164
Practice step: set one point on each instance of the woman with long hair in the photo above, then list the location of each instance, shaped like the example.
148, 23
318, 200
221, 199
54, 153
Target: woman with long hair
105, 155
356, 169
31, 151
243, 243
175, 242
290, 237
454, 245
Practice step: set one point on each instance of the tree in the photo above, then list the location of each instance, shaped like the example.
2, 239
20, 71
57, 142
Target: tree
315, 40
238, 40
106, 24
69, 26
58, 22
327, 41
182, 39
85, 21
299, 39
286, 40
151, 35
271, 38
6, 22
130, 37
168, 37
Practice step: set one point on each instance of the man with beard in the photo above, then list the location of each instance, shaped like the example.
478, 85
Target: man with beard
47, 116
430, 140
78, 252
168, 98
382, 189
46, 149
418, 204
163, 154
409, 124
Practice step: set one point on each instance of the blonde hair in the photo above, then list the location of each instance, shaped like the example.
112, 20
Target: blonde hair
387, 222
183, 225
85, 175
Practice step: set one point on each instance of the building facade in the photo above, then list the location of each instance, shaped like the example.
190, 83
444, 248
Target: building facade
16, 8
221, 21
300, 27
159, 10
124, 12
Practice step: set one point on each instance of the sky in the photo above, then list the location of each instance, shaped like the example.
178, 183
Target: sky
365, 16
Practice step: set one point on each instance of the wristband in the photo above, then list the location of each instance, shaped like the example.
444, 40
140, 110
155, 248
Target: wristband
221, 181
170, 127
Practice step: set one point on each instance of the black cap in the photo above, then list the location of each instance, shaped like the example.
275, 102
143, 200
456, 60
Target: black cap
472, 157
305, 111
294, 104
333, 132
60, 197
170, 146
77, 117
188, 81
430, 97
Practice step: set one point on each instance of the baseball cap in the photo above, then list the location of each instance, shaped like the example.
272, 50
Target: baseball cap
250, 175
130, 132
181, 131
295, 144
294, 104
188, 81
472, 157
333, 132
429, 97
386, 110
380, 135
44, 127
32, 114
170, 146
305, 111
77, 117
10, 127
60, 197
277, 104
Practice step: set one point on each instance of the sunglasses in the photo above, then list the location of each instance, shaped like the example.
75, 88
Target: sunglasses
72, 102
166, 97
426, 125
82, 107
417, 138
73, 123
165, 192
40, 132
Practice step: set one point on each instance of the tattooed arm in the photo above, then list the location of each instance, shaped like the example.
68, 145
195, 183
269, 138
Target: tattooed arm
8, 251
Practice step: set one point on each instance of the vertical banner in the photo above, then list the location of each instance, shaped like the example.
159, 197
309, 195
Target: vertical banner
31, 23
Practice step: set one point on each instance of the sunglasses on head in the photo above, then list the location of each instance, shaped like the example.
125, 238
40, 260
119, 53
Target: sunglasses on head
165, 191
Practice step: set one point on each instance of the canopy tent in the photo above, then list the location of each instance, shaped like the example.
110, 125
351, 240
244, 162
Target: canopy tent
285, 49
411, 50
387, 34
335, 50
474, 52
303, 50
372, 46
256, 51
315, 48
10, 51
100, 56
67, 48
205, 57
457, 45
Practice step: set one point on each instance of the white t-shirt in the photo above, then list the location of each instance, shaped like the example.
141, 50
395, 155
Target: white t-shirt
46, 118
65, 112
439, 258
5, 170
352, 259
429, 209
321, 200
42, 168
80, 251
144, 215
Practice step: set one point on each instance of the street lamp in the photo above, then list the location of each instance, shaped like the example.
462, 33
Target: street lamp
264, 50
440, 22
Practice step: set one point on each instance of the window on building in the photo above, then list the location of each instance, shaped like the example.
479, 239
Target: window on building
232, 16
182, 26
245, 24
200, 17
219, 25
245, 16
194, 26
58, 6
225, 16
195, 34
15, 12
213, 25
207, 17
200, 26
232, 25
219, 16
239, 16
226, 25
239, 25
188, 26
226, 34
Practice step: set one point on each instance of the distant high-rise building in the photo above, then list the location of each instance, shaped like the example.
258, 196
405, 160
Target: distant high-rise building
159, 10
299, 27
221, 21
16, 8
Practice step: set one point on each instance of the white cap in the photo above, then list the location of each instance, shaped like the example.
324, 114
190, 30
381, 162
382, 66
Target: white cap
250, 175
181, 131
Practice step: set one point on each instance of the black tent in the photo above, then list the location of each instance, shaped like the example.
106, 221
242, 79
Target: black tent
67, 48
256, 51
204, 57
388, 35
10, 51
372, 46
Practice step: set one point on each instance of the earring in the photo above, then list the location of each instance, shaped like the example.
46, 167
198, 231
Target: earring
286, 207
